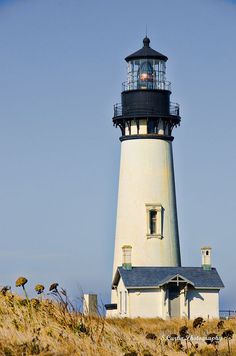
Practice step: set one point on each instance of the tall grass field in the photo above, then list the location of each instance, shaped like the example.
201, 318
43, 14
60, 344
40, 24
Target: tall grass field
51, 325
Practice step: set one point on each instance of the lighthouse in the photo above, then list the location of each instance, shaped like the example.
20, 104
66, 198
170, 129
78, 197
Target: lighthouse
147, 224
148, 279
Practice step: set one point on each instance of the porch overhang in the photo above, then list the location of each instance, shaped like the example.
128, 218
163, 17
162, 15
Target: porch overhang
177, 278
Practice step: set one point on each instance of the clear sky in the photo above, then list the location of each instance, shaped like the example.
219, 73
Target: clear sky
61, 68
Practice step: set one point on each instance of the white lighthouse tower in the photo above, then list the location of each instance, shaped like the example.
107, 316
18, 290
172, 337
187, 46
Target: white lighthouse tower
148, 279
147, 222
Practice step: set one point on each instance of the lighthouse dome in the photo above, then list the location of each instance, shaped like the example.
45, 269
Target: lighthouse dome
146, 52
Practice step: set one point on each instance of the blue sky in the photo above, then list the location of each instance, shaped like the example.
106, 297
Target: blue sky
61, 65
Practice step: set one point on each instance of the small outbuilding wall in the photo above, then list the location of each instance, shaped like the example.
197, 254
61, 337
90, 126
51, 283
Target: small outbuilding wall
122, 300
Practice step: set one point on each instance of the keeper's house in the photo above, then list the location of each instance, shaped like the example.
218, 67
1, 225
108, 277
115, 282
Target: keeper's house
167, 292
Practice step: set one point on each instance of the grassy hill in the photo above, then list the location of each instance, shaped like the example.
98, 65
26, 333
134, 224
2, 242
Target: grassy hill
53, 327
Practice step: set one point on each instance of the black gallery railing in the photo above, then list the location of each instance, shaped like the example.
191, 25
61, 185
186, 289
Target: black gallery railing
118, 110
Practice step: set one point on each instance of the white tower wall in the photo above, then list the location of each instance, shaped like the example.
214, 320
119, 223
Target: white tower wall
146, 181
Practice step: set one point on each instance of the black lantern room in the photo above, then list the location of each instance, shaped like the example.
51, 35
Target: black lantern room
145, 99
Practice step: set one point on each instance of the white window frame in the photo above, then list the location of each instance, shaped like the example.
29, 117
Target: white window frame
159, 220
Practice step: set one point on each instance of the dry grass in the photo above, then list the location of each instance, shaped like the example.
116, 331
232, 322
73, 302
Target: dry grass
48, 328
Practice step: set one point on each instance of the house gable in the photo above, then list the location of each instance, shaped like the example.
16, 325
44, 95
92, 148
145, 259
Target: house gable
176, 279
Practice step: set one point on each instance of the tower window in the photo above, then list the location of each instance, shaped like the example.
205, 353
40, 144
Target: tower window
153, 221
152, 126
155, 214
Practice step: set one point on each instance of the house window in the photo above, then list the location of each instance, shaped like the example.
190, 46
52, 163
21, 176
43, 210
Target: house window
120, 302
154, 216
126, 301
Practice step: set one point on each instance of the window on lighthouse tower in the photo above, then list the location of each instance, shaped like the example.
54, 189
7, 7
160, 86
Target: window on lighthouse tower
154, 216
153, 221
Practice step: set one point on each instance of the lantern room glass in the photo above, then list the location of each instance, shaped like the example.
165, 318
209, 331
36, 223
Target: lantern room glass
146, 74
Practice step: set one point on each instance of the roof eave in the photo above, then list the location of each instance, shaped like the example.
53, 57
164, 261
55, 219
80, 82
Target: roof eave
133, 57
218, 287
159, 287
142, 287
116, 279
